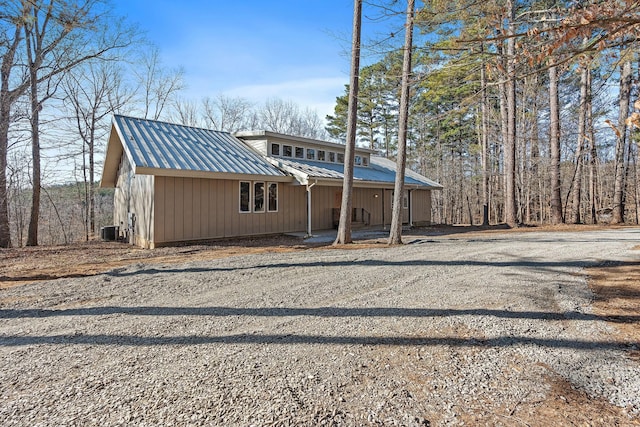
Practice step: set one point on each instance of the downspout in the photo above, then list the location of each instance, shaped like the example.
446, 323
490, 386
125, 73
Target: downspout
309, 187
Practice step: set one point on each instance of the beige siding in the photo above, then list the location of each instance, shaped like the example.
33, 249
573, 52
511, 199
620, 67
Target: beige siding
142, 198
134, 195
421, 207
195, 209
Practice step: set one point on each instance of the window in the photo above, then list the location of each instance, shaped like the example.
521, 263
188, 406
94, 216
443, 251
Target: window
405, 200
358, 160
275, 149
311, 154
365, 161
332, 157
258, 196
340, 158
245, 196
299, 153
321, 155
286, 151
273, 197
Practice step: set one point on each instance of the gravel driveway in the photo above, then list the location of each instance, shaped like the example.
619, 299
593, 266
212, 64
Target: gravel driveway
443, 331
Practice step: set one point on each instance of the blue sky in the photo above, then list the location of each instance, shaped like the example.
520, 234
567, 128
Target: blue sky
255, 49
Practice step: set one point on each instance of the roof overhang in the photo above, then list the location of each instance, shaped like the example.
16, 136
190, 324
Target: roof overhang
113, 154
181, 173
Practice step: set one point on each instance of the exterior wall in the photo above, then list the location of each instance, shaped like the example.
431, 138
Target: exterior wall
373, 200
421, 207
196, 209
134, 195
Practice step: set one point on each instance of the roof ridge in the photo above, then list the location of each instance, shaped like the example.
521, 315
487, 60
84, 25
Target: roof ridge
165, 122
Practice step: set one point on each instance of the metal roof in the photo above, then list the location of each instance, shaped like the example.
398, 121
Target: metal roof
160, 145
381, 170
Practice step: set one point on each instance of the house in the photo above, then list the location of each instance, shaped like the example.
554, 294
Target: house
177, 183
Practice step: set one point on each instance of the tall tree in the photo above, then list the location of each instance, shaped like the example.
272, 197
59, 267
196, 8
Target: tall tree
621, 143
395, 230
554, 140
12, 24
344, 225
93, 93
60, 35
511, 216
576, 188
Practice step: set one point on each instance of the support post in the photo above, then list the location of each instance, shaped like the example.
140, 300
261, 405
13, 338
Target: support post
309, 187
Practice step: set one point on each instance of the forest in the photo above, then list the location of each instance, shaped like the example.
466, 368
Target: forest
526, 112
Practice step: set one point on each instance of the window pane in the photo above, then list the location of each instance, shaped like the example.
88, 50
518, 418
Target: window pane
275, 149
365, 161
286, 150
332, 157
245, 189
299, 153
311, 154
258, 196
340, 158
273, 197
358, 160
321, 155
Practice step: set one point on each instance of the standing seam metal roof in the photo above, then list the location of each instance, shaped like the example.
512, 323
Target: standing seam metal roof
381, 170
161, 145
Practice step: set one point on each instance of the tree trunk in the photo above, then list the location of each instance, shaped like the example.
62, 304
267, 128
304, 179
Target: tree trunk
344, 226
5, 109
593, 159
484, 108
554, 143
395, 232
621, 131
7, 97
32, 49
510, 143
92, 173
576, 195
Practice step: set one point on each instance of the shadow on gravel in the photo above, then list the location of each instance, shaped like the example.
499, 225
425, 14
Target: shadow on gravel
133, 340
311, 312
523, 262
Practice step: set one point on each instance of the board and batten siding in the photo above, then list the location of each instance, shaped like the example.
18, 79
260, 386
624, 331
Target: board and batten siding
134, 195
188, 209
421, 207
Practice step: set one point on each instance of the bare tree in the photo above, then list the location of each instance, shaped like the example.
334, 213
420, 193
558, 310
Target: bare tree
344, 225
60, 35
157, 85
576, 188
185, 112
621, 143
92, 94
395, 230
10, 39
228, 114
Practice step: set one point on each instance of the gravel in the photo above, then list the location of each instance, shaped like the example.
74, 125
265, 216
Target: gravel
432, 332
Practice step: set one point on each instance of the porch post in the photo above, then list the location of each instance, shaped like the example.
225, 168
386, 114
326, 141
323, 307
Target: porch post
309, 209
